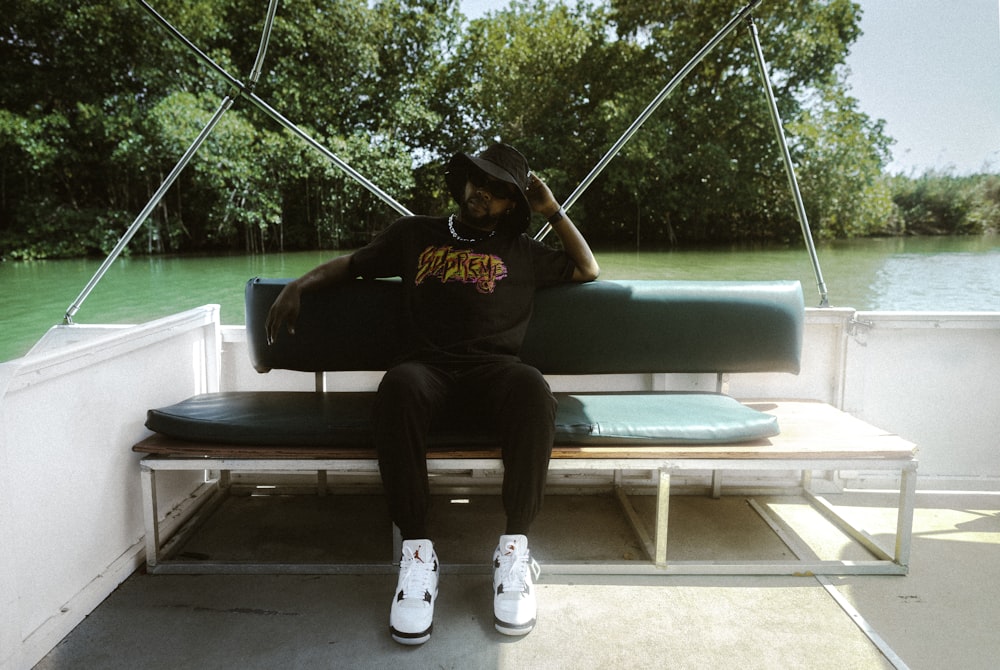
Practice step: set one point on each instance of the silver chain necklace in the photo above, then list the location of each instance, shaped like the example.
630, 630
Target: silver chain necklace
451, 229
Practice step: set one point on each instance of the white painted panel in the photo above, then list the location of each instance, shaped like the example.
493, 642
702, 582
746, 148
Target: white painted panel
68, 419
932, 378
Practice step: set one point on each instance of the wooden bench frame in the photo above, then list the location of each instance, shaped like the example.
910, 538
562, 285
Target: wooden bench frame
814, 436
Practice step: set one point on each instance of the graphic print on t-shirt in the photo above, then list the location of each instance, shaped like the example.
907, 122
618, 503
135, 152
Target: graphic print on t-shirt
461, 265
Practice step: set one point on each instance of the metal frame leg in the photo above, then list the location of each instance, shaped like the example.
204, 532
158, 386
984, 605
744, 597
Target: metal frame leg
662, 518
150, 514
655, 544
904, 521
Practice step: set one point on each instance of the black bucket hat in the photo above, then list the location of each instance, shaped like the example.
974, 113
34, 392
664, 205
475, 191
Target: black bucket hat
500, 161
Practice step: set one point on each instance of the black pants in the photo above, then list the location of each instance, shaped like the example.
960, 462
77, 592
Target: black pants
510, 398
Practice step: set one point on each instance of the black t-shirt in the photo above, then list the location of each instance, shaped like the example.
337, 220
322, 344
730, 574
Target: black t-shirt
464, 301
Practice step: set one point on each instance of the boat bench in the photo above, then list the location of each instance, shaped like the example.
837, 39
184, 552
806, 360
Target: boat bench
597, 328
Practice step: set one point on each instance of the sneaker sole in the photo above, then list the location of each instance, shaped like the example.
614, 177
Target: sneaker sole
513, 629
411, 638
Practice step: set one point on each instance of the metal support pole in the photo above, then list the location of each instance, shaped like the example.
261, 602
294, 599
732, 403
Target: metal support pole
71, 311
666, 91
793, 183
240, 90
226, 104
247, 93
332, 157
265, 38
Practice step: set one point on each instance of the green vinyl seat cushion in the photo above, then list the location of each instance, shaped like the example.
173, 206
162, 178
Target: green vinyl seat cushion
342, 419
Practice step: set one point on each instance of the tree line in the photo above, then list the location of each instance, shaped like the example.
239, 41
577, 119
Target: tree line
100, 103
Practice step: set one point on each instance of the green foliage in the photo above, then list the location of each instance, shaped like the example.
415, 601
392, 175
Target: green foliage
526, 76
712, 144
939, 203
984, 213
99, 104
841, 154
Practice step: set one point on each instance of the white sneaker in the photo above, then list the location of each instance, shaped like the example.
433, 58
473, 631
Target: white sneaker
514, 604
412, 614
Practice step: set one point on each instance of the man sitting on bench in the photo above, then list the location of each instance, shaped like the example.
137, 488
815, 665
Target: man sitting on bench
469, 282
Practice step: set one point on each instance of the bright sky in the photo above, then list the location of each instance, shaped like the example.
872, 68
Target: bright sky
930, 69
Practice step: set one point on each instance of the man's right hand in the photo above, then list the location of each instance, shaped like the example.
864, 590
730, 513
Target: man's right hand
285, 310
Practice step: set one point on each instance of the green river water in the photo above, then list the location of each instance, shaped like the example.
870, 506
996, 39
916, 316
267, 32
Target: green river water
926, 274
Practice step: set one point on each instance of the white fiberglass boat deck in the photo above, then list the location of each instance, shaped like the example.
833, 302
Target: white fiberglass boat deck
72, 530
939, 616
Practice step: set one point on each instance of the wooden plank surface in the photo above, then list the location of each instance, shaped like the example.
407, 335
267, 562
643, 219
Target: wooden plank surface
809, 430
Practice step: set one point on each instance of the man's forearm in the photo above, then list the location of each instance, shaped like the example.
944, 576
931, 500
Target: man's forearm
331, 272
575, 245
542, 201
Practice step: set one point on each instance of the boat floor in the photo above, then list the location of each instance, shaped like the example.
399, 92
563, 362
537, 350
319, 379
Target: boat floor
943, 614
